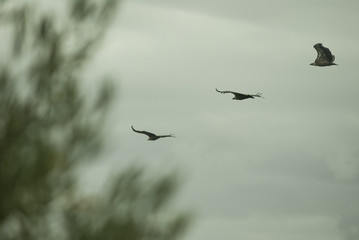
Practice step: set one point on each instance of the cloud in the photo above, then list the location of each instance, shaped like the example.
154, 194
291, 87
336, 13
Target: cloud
283, 167
349, 227
261, 227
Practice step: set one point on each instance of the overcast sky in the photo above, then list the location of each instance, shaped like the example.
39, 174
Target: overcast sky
280, 168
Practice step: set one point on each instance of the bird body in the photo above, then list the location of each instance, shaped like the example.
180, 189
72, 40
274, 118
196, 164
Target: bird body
152, 136
241, 96
324, 56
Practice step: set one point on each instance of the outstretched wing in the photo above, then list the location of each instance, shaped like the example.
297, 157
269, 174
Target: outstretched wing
235, 93
163, 136
150, 135
238, 96
323, 53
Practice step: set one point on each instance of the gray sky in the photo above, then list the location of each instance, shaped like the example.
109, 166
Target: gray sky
280, 168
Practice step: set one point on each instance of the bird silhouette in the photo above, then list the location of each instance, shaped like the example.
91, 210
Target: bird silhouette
324, 56
152, 136
240, 96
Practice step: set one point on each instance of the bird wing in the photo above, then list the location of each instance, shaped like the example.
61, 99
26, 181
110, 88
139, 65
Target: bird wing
163, 136
227, 92
319, 52
150, 135
323, 53
239, 96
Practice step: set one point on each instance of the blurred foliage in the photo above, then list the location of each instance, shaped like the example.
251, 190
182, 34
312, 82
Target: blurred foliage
48, 127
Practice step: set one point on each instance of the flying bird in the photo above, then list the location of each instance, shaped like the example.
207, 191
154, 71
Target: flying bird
152, 136
324, 56
240, 96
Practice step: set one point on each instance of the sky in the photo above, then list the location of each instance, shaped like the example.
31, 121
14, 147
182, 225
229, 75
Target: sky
283, 167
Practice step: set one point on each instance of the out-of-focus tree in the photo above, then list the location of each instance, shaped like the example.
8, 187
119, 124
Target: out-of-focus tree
49, 127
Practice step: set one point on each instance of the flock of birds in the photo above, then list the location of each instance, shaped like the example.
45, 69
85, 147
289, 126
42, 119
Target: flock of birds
324, 58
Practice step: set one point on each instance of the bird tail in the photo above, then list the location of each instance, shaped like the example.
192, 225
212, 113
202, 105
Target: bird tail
259, 94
